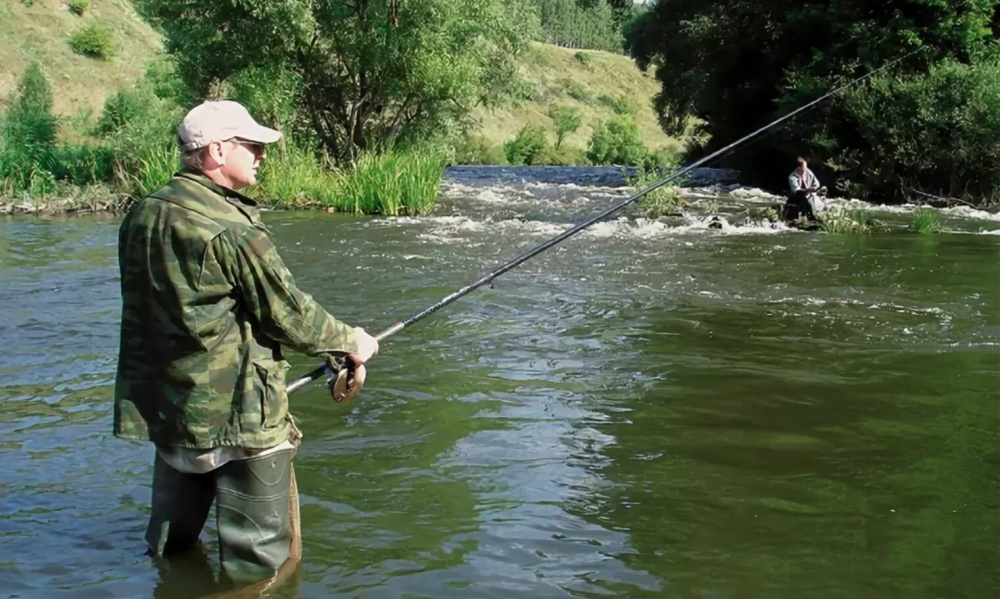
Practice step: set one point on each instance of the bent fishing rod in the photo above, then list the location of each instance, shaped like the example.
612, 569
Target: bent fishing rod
514, 262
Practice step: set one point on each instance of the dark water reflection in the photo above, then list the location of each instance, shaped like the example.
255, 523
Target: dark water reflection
646, 411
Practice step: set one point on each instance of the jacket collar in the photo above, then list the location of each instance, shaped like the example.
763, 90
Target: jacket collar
245, 205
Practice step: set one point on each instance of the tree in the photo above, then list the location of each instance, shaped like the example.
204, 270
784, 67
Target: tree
737, 64
363, 73
592, 24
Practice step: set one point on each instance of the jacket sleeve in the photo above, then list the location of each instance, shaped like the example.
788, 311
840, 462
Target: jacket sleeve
793, 183
267, 290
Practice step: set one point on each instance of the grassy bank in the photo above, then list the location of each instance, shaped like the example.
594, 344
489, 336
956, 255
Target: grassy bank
601, 87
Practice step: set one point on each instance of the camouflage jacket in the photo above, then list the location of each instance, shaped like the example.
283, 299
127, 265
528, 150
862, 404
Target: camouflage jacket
206, 306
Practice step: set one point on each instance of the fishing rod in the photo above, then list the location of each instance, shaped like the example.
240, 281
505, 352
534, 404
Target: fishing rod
342, 388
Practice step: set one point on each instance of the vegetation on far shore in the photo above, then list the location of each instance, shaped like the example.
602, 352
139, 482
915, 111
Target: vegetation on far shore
510, 101
92, 93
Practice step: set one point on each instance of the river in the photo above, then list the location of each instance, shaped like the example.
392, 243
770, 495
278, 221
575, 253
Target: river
650, 409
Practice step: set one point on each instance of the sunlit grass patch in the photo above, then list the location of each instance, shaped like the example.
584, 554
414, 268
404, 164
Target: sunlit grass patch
391, 183
926, 222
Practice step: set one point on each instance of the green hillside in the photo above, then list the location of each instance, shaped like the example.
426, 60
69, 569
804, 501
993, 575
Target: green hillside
40, 30
591, 81
588, 80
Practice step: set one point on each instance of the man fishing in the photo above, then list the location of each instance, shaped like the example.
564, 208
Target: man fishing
207, 307
803, 201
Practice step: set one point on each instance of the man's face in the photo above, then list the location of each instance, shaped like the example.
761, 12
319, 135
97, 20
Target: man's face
801, 168
241, 159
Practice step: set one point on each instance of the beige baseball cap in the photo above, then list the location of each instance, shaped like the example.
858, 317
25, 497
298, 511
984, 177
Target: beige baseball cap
220, 121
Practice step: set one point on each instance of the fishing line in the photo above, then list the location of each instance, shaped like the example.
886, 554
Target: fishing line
345, 374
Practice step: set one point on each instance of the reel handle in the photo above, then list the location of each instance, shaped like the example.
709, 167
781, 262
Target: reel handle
351, 378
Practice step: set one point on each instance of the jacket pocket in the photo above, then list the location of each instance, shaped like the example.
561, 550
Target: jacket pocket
270, 382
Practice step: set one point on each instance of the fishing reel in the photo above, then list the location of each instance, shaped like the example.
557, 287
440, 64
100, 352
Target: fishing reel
348, 382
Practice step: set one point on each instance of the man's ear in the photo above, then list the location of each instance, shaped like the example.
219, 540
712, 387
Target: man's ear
215, 150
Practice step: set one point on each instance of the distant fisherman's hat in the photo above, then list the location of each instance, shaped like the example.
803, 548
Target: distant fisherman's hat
221, 121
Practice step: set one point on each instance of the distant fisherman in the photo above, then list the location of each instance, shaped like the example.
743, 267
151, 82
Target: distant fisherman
207, 310
803, 201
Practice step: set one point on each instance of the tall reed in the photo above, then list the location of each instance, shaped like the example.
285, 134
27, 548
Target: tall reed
391, 183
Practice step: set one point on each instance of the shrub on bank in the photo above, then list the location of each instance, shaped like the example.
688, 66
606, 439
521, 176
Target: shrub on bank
527, 147
564, 156
84, 163
93, 41
617, 141
141, 130
567, 120
28, 135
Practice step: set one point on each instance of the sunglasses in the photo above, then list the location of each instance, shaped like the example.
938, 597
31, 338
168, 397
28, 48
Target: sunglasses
257, 149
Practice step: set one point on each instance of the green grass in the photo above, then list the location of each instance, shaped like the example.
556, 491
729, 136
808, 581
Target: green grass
78, 7
391, 184
926, 222
661, 201
295, 177
155, 168
841, 220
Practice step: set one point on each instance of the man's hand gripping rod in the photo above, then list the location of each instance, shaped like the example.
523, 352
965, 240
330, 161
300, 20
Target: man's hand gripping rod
342, 388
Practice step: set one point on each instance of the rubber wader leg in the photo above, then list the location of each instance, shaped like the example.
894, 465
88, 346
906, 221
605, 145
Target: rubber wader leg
295, 519
180, 506
253, 513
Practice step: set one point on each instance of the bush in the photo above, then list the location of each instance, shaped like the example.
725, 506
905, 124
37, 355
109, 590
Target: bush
527, 147
567, 120
585, 58
93, 41
77, 7
83, 164
477, 149
621, 105
124, 107
662, 158
617, 141
28, 134
141, 130
931, 132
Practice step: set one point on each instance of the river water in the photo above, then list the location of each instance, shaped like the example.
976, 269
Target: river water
651, 409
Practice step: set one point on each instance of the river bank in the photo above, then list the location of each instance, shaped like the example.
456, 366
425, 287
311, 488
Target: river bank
710, 188
91, 199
